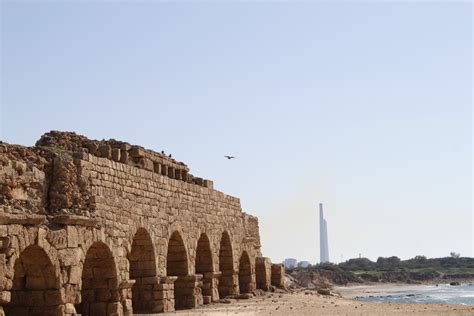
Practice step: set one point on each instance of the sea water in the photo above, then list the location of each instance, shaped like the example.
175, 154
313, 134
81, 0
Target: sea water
431, 294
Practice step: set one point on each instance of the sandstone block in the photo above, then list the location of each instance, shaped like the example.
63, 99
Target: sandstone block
92, 148
5, 297
125, 146
69, 308
124, 156
75, 275
157, 167
208, 184
116, 154
127, 305
69, 256
136, 152
3, 230
198, 181
72, 236
70, 219
146, 164
105, 151
81, 155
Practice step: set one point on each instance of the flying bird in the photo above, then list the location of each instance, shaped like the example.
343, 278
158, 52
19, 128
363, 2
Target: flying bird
229, 157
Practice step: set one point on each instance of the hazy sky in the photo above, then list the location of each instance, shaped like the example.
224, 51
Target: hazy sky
366, 107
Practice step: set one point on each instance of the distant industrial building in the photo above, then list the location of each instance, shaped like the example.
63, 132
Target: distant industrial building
303, 264
290, 263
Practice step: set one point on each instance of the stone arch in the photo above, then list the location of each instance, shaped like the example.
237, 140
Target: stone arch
204, 267
96, 236
226, 266
176, 258
143, 271
177, 266
245, 273
99, 291
36, 286
173, 230
203, 255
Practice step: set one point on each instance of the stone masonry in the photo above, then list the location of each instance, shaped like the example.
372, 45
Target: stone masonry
106, 228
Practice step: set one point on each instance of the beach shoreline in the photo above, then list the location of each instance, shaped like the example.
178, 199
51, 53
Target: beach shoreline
352, 290
376, 289
306, 303
398, 293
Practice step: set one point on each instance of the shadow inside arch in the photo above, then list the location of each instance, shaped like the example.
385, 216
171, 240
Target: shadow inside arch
143, 271
36, 288
226, 266
99, 291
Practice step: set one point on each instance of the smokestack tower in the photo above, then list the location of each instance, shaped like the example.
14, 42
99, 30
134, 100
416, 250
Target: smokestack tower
323, 237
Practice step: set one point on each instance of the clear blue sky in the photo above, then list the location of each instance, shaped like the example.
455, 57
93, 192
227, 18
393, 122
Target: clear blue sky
366, 107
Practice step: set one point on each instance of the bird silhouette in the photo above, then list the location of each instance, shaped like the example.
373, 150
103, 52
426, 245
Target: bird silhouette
229, 157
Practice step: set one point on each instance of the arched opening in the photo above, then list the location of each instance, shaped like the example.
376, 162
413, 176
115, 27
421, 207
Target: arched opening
226, 266
99, 283
36, 286
143, 271
204, 266
245, 273
177, 265
203, 255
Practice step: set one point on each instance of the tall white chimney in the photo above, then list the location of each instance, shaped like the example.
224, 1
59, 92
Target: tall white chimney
323, 237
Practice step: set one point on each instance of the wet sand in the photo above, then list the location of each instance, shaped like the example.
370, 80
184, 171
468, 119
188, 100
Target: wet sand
303, 304
377, 289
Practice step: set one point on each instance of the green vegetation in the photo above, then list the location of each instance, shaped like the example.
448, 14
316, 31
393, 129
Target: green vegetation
58, 150
392, 269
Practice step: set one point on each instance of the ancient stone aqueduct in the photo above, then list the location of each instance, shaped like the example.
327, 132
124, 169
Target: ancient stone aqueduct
106, 228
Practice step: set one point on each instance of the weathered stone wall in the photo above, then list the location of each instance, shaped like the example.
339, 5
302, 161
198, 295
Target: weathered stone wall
23, 184
263, 267
278, 275
104, 227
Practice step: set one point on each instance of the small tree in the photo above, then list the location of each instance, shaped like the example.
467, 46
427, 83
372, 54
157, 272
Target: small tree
454, 254
381, 263
394, 261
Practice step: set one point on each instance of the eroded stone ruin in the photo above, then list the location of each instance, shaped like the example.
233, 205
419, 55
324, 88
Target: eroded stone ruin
106, 228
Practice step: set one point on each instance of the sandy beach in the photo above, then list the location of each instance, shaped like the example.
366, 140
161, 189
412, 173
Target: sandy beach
304, 303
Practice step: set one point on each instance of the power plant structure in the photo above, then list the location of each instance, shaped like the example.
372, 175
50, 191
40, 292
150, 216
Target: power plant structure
323, 237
